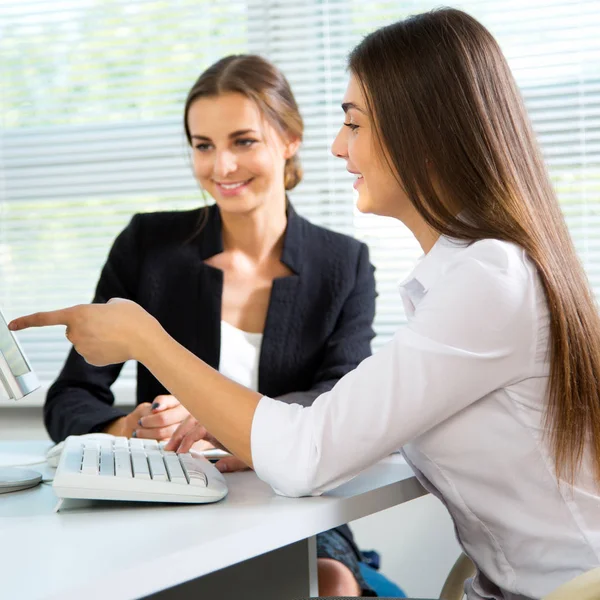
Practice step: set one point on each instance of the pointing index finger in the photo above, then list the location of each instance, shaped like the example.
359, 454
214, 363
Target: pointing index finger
41, 319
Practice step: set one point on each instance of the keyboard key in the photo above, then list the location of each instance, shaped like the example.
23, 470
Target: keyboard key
194, 474
104, 442
151, 445
107, 462
136, 444
176, 473
139, 462
122, 463
89, 463
120, 442
73, 459
158, 470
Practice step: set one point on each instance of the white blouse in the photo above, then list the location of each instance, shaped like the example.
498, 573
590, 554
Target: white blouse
240, 355
462, 388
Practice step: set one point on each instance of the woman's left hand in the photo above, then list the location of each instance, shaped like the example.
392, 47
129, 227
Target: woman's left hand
103, 334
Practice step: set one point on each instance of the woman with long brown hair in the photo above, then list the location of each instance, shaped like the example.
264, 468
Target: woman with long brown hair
492, 387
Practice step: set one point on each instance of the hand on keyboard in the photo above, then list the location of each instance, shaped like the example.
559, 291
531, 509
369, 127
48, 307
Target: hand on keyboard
190, 432
187, 434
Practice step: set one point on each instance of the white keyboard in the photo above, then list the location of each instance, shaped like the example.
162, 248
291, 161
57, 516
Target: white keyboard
134, 469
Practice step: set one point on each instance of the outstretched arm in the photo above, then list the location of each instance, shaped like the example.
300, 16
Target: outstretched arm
472, 335
121, 330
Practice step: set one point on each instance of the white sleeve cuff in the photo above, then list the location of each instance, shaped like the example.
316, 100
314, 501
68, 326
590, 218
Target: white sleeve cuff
260, 443
281, 443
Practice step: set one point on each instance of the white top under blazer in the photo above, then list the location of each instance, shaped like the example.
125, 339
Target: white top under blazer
240, 355
462, 387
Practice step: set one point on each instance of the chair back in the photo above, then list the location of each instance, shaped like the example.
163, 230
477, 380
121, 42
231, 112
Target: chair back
454, 586
583, 587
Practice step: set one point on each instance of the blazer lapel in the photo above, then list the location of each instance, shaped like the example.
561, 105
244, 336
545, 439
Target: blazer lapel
192, 309
190, 306
208, 315
281, 321
209, 296
278, 329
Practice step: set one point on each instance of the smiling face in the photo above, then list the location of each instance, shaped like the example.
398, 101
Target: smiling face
378, 190
237, 156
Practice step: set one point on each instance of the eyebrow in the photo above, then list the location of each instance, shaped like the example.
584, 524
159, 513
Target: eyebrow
232, 135
346, 106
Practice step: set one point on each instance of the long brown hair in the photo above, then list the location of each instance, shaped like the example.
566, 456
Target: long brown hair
439, 88
261, 81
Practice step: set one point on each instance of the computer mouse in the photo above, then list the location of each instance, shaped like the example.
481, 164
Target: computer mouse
53, 454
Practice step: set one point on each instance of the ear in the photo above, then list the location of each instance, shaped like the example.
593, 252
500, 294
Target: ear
291, 148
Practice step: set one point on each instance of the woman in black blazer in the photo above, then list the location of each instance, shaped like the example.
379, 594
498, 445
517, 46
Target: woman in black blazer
249, 260
318, 324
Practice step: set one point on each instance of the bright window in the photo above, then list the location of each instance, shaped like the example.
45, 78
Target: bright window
91, 99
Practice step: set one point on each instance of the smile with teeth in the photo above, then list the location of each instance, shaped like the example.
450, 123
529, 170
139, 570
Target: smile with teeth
232, 186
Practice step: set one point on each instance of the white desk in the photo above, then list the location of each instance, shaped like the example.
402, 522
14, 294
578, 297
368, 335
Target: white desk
253, 542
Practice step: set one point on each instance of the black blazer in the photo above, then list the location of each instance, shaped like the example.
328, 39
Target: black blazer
318, 324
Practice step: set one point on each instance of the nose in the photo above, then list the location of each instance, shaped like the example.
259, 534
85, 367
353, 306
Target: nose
339, 148
225, 164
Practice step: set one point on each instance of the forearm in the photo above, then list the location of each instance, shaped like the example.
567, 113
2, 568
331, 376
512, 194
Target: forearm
224, 407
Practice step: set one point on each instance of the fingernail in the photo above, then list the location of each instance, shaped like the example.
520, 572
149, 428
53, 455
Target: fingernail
155, 405
140, 422
134, 434
222, 468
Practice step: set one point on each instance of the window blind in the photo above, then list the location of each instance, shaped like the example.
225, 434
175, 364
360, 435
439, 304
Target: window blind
92, 93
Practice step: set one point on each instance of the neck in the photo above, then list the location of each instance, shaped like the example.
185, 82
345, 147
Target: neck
258, 234
425, 235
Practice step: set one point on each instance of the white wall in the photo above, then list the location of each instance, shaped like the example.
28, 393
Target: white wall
415, 540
